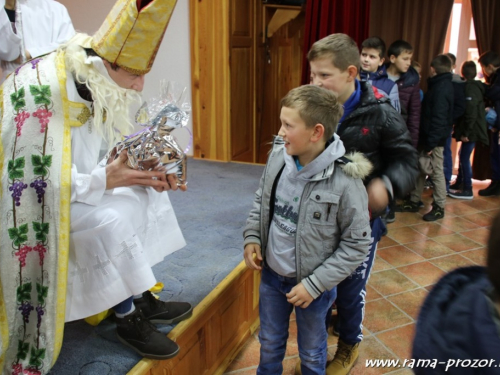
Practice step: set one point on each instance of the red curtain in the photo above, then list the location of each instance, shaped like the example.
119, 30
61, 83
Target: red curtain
325, 17
485, 14
423, 23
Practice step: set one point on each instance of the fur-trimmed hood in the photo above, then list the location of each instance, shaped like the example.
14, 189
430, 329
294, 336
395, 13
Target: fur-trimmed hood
356, 165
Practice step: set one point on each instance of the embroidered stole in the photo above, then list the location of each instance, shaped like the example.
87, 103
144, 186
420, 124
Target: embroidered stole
35, 192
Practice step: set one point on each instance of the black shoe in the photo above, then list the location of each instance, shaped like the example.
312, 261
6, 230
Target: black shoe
421, 204
407, 206
435, 214
141, 335
157, 311
428, 184
456, 186
390, 217
462, 194
493, 189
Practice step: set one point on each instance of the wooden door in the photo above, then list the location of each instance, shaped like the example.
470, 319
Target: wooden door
242, 67
279, 66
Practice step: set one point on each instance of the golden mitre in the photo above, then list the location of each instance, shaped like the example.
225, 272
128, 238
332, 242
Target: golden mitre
132, 32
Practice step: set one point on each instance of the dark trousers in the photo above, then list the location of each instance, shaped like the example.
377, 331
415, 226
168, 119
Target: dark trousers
495, 156
465, 169
351, 292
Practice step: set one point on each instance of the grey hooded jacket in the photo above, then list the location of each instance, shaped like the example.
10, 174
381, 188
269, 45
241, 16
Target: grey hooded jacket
333, 229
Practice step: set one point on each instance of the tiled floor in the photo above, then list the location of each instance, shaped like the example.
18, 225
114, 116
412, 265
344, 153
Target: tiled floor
410, 259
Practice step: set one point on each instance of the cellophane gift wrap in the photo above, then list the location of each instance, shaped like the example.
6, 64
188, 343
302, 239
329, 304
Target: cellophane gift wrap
154, 148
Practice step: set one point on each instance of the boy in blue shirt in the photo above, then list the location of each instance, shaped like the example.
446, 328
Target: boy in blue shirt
369, 125
309, 227
373, 69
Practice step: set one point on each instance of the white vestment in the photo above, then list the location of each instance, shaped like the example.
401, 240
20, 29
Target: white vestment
46, 24
116, 235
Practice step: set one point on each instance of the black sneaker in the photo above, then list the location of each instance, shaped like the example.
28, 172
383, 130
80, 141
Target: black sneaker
456, 186
390, 217
157, 311
407, 206
428, 184
493, 189
462, 194
421, 204
435, 214
141, 335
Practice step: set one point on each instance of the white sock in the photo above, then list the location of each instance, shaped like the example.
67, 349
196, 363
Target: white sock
137, 296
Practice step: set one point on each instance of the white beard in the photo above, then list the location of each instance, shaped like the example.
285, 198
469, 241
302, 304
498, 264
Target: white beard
111, 102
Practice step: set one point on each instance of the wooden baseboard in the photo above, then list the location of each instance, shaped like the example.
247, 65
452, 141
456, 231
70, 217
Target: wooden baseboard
214, 335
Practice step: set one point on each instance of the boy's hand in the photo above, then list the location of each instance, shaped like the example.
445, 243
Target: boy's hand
250, 249
378, 197
299, 296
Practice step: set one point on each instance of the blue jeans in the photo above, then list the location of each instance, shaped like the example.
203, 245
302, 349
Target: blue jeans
465, 169
447, 162
275, 310
351, 292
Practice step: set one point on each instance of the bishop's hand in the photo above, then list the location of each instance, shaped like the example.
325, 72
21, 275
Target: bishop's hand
118, 174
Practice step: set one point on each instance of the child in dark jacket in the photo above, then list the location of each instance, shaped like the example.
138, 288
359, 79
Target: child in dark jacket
400, 70
458, 328
372, 126
436, 124
469, 130
490, 63
458, 112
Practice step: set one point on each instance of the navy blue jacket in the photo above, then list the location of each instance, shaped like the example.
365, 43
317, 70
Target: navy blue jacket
456, 322
436, 120
493, 93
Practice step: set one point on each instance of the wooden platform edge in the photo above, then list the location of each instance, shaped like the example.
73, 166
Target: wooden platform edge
214, 335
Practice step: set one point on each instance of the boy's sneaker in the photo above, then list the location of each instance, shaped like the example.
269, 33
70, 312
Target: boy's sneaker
344, 359
493, 189
462, 194
456, 186
435, 214
407, 206
138, 333
390, 217
157, 311
428, 184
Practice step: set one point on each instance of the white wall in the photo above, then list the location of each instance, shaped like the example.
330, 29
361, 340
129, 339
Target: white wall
173, 59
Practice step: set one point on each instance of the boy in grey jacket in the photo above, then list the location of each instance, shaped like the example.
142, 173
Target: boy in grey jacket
309, 227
